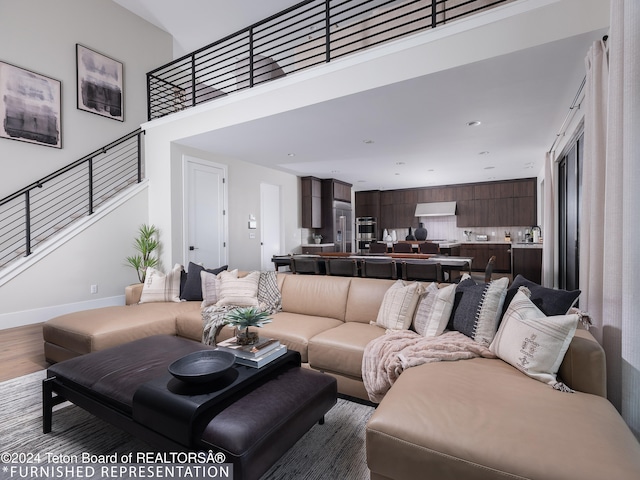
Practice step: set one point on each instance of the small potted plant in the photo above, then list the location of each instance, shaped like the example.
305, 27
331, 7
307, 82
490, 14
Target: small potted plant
317, 238
242, 319
147, 244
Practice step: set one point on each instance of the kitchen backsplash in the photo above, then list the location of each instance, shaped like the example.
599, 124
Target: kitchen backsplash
445, 228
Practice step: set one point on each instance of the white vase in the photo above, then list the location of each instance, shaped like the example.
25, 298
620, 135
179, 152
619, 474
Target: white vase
385, 234
394, 237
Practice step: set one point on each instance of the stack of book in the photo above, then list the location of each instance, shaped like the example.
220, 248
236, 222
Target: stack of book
257, 355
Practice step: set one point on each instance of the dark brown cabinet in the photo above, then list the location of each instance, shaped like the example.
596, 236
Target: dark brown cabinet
527, 261
481, 254
311, 189
489, 204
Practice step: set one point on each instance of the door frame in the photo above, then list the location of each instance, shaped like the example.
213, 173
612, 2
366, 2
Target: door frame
186, 159
264, 261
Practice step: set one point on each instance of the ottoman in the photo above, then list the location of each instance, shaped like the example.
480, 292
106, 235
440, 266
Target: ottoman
253, 418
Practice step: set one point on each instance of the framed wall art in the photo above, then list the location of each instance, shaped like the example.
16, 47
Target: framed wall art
100, 84
29, 106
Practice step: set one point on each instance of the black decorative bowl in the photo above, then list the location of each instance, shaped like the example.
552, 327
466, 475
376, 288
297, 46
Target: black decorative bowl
203, 366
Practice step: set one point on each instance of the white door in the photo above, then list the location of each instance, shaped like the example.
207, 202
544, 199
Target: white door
205, 230
270, 238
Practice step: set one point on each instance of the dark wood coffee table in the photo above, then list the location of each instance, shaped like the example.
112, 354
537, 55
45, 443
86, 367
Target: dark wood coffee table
251, 415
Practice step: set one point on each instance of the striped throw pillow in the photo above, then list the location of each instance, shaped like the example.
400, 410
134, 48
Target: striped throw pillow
241, 292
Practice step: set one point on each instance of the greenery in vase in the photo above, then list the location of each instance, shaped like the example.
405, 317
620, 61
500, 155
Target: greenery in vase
146, 244
242, 318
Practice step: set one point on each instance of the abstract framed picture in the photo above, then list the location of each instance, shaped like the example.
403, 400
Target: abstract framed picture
29, 106
100, 84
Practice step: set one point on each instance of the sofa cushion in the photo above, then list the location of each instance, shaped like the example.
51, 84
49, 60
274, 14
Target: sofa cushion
189, 324
434, 309
295, 330
317, 295
161, 287
398, 305
478, 308
427, 423
90, 330
532, 342
365, 298
551, 301
340, 350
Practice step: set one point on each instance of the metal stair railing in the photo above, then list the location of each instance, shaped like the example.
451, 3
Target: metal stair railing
34, 213
302, 36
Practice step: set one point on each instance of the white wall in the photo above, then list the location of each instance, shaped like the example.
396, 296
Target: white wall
41, 36
60, 281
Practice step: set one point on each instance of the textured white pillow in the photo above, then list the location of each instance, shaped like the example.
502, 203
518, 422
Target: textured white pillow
159, 287
241, 292
398, 305
211, 287
532, 342
434, 309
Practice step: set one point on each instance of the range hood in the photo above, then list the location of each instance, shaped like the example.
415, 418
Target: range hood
435, 209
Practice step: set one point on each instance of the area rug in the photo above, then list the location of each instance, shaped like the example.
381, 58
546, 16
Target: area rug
333, 450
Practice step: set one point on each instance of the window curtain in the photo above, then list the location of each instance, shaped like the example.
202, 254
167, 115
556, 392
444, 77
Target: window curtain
610, 223
548, 224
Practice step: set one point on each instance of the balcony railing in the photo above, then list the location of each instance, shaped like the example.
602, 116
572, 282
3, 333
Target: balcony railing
308, 34
33, 214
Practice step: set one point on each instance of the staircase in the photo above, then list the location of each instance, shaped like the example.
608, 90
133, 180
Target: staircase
42, 210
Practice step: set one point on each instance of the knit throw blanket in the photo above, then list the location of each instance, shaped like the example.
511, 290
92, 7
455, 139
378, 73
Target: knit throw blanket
269, 300
386, 357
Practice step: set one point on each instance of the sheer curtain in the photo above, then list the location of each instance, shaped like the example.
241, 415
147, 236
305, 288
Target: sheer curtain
610, 228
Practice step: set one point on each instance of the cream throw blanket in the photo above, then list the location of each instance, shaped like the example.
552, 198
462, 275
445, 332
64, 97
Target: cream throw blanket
386, 357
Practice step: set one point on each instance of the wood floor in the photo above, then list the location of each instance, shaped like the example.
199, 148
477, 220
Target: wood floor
21, 351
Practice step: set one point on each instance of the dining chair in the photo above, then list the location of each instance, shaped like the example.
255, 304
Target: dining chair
421, 271
344, 267
377, 247
379, 268
307, 265
402, 248
428, 247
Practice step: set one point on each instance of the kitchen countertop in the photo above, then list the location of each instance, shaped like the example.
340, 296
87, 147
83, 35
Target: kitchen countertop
318, 245
527, 245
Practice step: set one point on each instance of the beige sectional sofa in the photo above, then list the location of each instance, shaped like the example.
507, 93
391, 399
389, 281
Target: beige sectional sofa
471, 419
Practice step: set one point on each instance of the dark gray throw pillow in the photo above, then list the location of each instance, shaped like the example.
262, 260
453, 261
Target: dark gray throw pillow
478, 308
550, 301
192, 290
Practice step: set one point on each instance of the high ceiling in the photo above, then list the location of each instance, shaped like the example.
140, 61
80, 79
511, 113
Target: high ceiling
408, 134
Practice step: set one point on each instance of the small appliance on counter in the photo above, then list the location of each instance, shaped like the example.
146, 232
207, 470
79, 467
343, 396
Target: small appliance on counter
482, 238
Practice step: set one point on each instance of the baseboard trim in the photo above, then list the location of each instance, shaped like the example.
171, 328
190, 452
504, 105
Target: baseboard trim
39, 315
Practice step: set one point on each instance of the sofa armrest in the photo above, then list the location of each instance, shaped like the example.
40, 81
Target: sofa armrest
584, 365
132, 293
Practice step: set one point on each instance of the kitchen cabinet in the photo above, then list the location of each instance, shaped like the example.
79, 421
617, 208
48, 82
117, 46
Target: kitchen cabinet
487, 204
311, 190
481, 252
527, 261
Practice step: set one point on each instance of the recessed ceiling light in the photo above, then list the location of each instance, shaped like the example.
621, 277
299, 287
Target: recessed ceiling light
361, 181
489, 168
291, 154
431, 170
473, 123
483, 153
367, 141
399, 163
335, 171
396, 173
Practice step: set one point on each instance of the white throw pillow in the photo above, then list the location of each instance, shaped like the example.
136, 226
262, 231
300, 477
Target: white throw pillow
434, 309
210, 284
241, 292
532, 342
398, 305
159, 287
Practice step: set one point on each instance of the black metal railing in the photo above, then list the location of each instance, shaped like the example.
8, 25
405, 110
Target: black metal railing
37, 211
307, 34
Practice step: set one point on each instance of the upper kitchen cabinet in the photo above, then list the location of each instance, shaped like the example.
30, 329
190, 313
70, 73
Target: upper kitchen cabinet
337, 190
368, 204
311, 189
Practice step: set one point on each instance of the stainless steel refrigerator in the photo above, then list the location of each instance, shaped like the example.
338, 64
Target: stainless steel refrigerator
343, 226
